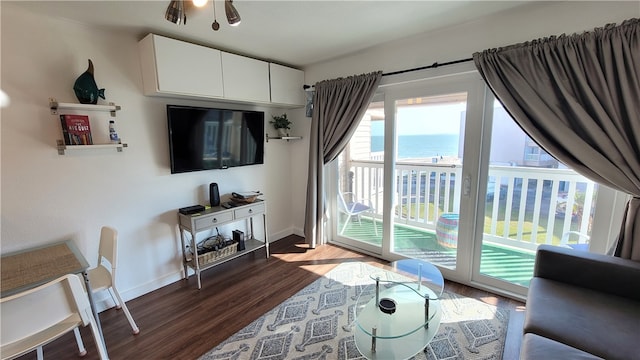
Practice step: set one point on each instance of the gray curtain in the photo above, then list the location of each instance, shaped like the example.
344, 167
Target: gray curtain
578, 97
338, 106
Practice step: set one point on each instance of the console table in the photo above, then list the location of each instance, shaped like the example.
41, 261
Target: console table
210, 219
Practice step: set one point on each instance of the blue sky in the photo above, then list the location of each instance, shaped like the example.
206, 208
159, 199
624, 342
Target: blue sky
425, 119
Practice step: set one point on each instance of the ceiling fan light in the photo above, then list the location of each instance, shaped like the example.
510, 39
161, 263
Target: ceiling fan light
232, 14
199, 3
175, 12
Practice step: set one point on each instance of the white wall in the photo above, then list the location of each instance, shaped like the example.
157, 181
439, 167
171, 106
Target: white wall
531, 21
48, 197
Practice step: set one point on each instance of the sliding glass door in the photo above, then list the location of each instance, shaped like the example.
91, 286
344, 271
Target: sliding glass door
530, 198
428, 161
404, 167
437, 170
359, 189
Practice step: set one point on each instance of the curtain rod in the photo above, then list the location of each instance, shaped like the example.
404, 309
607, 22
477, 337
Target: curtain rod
432, 66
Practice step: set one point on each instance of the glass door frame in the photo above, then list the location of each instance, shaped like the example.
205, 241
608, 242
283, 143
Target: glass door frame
470, 83
476, 151
333, 187
454, 80
607, 217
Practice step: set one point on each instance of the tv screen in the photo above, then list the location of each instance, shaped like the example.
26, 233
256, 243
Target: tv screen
206, 138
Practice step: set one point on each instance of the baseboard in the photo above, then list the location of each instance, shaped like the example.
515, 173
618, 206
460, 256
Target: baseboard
281, 234
298, 231
103, 300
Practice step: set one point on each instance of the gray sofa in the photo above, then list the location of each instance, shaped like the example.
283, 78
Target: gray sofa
582, 306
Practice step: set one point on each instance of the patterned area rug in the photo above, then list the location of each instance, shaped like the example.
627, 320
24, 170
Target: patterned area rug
318, 323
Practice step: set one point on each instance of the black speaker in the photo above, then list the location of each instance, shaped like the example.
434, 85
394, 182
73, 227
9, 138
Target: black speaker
214, 195
238, 237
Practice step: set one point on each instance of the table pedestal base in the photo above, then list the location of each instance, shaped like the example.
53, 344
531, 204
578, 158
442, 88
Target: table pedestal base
397, 349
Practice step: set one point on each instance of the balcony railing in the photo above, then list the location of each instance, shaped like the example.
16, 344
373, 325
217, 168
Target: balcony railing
524, 206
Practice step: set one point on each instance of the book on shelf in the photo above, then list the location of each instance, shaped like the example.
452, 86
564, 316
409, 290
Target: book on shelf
76, 129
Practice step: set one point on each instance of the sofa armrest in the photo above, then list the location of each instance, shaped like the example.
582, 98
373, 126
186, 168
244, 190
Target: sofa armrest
598, 272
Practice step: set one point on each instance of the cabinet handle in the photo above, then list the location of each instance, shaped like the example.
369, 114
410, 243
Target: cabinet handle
250, 211
214, 220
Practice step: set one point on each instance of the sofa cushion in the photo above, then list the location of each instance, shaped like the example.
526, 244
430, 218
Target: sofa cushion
599, 272
598, 323
536, 347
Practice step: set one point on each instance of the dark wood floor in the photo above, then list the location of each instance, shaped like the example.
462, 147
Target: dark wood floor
179, 321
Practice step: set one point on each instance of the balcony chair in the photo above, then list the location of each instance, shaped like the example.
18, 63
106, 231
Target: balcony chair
103, 276
582, 244
35, 317
354, 209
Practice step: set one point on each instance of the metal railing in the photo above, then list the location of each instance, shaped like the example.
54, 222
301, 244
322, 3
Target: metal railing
524, 206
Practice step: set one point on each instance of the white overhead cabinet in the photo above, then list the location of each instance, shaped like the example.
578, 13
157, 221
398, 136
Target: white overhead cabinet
245, 79
286, 85
179, 69
172, 67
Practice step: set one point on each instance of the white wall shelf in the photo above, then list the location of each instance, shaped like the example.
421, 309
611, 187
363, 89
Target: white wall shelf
55, 106
62, 148
282, 137
59, 107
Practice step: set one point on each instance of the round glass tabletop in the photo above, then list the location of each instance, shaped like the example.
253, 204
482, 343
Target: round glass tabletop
414, 271
399, 313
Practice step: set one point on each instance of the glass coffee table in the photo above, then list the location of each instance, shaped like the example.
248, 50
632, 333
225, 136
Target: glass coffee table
399, 313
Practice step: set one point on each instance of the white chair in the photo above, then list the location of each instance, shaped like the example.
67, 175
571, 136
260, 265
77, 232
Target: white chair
33, 318
354, 208
582, 243
103, 276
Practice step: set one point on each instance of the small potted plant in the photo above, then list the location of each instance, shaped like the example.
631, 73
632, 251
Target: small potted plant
281, 123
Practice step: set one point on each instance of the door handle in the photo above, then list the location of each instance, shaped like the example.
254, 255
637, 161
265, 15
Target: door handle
466, 185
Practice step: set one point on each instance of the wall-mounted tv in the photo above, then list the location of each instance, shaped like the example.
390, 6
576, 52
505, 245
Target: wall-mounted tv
207, 138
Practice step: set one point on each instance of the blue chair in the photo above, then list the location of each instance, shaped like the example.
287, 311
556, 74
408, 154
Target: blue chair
354, 209
582, 244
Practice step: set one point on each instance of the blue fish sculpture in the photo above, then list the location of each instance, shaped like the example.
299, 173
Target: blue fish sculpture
86, 88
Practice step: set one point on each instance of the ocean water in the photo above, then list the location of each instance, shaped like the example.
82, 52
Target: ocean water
421, 146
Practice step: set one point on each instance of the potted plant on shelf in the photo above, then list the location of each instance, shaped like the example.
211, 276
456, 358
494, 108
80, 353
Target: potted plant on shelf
281, 123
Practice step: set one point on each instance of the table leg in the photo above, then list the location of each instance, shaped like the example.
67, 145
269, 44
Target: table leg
266, 237
184, 255
426, 313
373, 340
85, 275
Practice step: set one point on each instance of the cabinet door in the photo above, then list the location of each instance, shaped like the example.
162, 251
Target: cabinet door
176, 67
286, 85
245, 78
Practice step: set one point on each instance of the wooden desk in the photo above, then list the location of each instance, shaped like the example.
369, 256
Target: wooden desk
29, 268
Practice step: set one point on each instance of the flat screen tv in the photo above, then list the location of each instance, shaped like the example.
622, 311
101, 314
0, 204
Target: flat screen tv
207, 138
